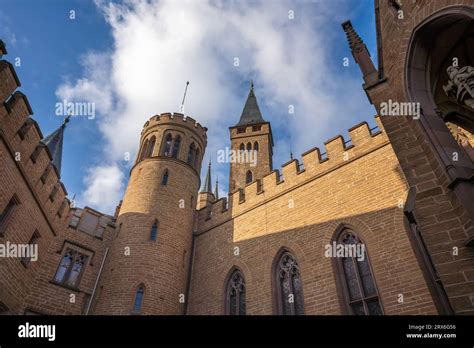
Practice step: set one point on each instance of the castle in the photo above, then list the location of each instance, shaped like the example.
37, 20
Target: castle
402, 192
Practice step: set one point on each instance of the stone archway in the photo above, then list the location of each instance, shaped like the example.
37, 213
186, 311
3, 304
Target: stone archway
433, 45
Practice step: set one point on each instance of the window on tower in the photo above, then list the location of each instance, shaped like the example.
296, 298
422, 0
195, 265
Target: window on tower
249, 146
137, 304
197, 160
191, 154
144, 149
164, 180
154, 231
235, 294
151, 145
248, 177
357, 281
242, 147
167, 147
255, 146
288, 284
176, 144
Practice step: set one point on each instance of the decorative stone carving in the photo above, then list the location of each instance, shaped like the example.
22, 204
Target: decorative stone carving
461, 85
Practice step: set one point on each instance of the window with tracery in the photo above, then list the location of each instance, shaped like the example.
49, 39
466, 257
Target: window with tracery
288, 286
235, 294
359, 285
71, 268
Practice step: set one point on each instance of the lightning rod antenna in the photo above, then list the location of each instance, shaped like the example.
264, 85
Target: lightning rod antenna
181, 109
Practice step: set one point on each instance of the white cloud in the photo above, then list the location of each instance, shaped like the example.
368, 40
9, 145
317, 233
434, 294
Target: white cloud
158, 46
94, 87
103, 188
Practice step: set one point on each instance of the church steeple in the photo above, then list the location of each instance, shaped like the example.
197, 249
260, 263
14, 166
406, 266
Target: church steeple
54, 142
206, 196
251, 113
252, 138
207, 187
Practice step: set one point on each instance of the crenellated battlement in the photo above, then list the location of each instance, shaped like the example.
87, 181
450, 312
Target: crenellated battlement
175, 118
22, 137
338, 152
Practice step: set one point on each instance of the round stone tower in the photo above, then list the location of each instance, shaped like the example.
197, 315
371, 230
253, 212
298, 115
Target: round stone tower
148, 263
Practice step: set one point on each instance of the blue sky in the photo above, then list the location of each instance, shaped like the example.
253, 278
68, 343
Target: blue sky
132, 60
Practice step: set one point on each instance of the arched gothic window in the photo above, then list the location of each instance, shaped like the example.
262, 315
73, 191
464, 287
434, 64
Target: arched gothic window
176, 144
151, 145
64, 266
164, 180
249, 146
144, 149
289, 288
255, 146
248, 177
191, 154
196, 159
154, 231
242, 147
167, 147
235, 294
137, 304
359, 286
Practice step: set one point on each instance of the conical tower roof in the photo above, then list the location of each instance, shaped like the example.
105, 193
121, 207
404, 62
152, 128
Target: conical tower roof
207, 186
251, 113
54, 142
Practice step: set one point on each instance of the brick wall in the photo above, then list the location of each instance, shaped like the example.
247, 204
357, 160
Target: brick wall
35, 211
49, 297
442, 219
360, 187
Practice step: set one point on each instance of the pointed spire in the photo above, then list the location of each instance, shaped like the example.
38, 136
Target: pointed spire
216, 190
361, 54
54, 142
352, 37
207, 187
251, 113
